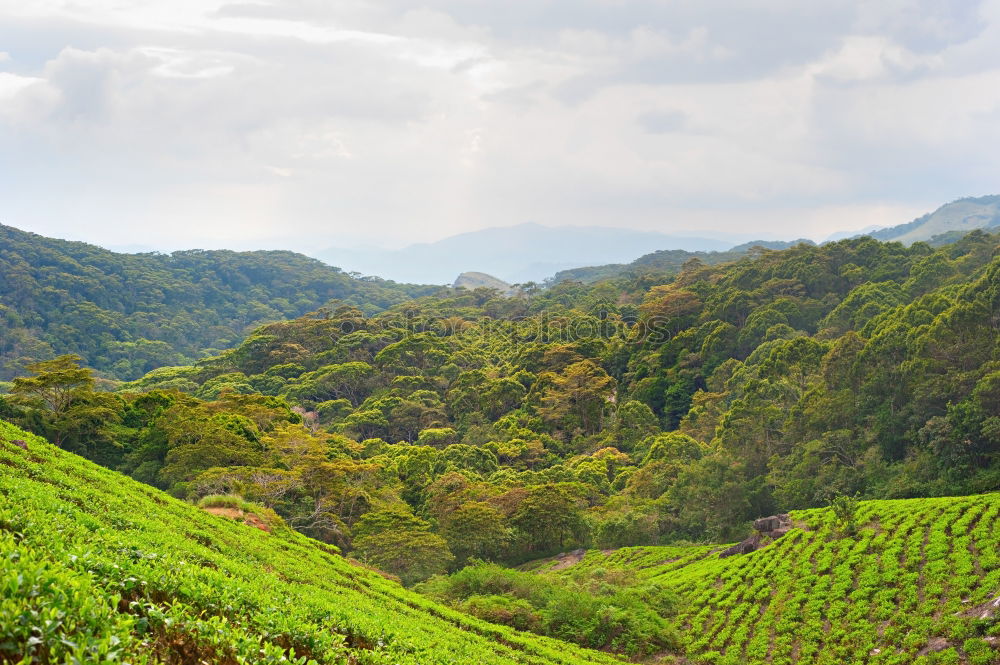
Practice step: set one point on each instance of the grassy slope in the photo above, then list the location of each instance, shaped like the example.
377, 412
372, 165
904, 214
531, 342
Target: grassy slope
97, 568
909, 582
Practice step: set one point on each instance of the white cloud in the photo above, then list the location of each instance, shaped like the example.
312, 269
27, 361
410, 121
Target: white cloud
12, 84
251, 123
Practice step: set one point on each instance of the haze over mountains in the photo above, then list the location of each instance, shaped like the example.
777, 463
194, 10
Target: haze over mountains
515, 254
535, 252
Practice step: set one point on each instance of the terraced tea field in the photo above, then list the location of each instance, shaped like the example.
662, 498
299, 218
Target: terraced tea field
96, 568
917, 583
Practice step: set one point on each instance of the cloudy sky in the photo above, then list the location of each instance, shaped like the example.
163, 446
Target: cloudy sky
195, 123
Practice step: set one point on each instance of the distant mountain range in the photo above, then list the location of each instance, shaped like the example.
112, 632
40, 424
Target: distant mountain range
534, 253
514, 254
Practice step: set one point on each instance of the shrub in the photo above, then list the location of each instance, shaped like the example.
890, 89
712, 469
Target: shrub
845, 508
234, 501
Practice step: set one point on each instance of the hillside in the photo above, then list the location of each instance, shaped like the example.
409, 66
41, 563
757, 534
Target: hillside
667, 261
642, 410
957, 217
639, 411
102, 569
515, 254
918, 583
126, 314
96, 568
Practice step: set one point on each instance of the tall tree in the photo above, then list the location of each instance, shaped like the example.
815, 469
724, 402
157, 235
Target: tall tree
60, 396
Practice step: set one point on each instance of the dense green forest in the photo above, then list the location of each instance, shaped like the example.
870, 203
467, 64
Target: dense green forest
666, 261
126, 314
457, 431
642, 410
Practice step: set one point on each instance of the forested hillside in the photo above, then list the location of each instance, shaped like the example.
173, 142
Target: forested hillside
666, 262
645, 410
126, 314
623, 413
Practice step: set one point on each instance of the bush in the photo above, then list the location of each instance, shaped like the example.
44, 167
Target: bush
979, 651
596, 614
845, 508
515, 612
234, 501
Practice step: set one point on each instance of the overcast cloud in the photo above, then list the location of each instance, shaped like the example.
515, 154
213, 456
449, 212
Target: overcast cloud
305, 123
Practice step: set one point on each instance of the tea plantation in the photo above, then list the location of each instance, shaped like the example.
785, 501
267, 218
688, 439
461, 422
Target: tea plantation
918, 582
97, 568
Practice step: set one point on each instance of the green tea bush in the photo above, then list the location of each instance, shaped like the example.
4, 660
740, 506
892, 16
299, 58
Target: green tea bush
908, 577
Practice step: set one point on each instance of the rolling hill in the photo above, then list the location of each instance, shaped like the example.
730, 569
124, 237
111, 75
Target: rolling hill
97, 568
667, 261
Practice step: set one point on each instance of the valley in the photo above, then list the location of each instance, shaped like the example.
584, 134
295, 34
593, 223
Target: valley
558, 475
599, 332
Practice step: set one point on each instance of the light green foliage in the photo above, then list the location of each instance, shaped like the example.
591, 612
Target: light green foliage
919, 573
437, 436
629, 619
97, 568
234, 501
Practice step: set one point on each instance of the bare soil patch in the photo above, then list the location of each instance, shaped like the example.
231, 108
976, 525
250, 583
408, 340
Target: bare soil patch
249, 519
567, 559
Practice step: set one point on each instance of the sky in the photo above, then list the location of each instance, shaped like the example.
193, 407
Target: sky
301, 124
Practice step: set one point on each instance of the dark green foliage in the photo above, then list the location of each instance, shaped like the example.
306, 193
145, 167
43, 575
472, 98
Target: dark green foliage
638, 410
127, 314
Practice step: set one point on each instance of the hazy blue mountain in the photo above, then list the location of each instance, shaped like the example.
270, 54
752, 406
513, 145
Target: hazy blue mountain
514, 254
843, 235
475, 280
963, 215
